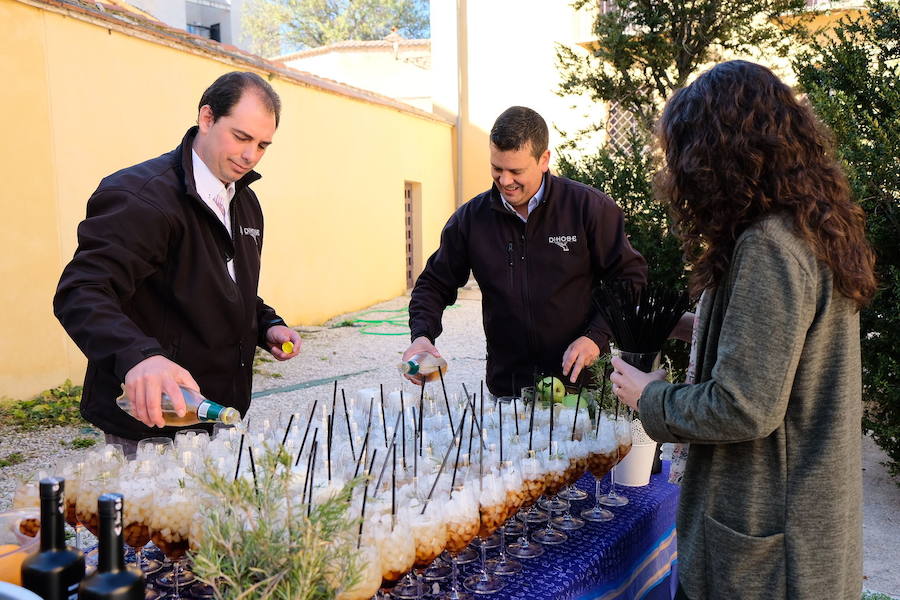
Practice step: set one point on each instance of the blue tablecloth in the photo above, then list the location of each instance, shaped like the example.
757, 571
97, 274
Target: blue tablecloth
631, 557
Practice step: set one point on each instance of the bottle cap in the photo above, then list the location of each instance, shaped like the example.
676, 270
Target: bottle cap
109, 504
230, 416
287, 347
50, 486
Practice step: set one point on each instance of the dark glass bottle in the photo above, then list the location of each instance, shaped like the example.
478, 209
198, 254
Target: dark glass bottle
55, 572
112, 580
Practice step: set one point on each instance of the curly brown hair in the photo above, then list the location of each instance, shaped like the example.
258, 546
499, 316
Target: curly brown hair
739, 146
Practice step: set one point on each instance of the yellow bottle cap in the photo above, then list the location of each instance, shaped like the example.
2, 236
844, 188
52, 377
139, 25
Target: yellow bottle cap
287, 347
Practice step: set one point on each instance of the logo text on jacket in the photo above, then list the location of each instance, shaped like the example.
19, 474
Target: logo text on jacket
253, 232
562, 241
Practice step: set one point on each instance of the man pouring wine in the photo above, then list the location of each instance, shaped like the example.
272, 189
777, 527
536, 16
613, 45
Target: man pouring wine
537, 244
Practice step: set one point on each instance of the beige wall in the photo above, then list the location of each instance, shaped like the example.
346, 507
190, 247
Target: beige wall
402, 76
83, 100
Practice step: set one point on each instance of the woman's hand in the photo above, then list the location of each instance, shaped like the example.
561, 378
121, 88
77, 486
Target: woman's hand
628, 383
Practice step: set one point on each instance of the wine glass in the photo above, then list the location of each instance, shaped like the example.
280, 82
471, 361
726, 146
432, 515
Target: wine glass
533, 487
575, 452
602, 456
430, 535
622, 427
170, 524
137, 485
370, 575
191, 440
554, 478
514, 485
462, 519
396, 548
492, 510
154, 447
73, 473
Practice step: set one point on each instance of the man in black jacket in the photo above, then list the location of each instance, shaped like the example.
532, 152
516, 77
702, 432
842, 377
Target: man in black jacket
537, 245
162, 289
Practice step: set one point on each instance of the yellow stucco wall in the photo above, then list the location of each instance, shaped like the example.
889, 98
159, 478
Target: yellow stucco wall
82, 101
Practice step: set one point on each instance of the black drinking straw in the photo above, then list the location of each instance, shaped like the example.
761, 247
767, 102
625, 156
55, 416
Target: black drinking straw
516, 415
500, 409
481, 413
441, 469
309, 458
383, 420
531, 421
287, 430
333, 401
305, 433
458, 448
312, 472
347, 420
575, 420
361, 458
237, 469
550, 445
362, 516
476, 421
403, 427
602, 398
362, 450
252, 467
446, 401
415, 437
328, 444
393, 486
421, 418
393, 443
471, 431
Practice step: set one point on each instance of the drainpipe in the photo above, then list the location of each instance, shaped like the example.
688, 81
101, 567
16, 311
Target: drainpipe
462, 87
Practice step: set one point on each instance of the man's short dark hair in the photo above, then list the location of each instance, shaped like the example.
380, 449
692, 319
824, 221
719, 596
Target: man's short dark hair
226, 91
518, 125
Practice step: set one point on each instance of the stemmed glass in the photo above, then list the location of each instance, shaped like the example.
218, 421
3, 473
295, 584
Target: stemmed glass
138, 485
430, 534
463, 522
170, 524
73, 473
603, 454
568, 522
554, 479
153, 448
512, 481
492, 511
533, 487
622, 424
397, 550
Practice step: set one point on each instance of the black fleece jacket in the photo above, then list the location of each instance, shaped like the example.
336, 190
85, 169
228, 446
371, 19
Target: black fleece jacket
149, 278
536, 278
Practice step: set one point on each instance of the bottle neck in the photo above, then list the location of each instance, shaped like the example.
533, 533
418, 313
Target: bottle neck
53, 535
411, 367
111, 552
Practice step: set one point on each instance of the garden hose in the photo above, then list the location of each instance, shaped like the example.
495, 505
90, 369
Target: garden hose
399, 320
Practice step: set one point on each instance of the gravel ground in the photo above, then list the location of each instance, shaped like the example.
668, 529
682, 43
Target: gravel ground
363, 361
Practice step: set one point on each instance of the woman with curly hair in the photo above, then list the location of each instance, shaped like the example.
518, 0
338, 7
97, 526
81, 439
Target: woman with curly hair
771, 501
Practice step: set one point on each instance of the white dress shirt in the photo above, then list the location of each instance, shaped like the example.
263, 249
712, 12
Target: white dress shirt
209, 186
532, 204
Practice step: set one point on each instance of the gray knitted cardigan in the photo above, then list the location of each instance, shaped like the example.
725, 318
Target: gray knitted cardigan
771, 503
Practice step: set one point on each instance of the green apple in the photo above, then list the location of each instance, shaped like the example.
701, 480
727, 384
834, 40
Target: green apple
551, 388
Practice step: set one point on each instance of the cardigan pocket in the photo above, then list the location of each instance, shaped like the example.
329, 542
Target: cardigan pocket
743, 566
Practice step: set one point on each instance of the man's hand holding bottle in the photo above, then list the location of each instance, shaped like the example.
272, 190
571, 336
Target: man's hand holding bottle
422, 361
145, 383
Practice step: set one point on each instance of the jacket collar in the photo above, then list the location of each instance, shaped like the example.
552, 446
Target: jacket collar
187, 167
497, 202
